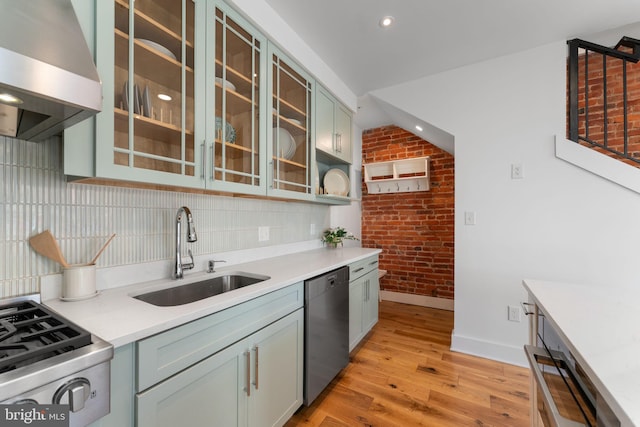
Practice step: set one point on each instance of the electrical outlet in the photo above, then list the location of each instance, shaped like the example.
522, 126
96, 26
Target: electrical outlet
517, 172
514, 313
469, 218
263, 234
312, 229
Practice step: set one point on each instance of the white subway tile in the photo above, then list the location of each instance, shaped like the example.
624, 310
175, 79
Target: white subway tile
36, 197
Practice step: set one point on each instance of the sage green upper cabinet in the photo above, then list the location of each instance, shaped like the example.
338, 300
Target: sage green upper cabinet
333, 126
290, 137
236, 101
145, 56
196, 97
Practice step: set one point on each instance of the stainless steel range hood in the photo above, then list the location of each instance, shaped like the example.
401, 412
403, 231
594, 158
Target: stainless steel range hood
46, 65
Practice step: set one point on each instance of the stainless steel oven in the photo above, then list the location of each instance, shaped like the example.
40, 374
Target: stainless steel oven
562, 393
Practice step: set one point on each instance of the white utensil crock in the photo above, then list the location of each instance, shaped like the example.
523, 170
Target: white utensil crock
79, 282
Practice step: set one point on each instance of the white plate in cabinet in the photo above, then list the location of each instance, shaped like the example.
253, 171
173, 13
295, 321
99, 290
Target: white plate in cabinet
397, 176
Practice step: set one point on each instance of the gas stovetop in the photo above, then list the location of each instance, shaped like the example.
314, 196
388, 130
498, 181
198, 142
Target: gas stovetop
30, 332
47, 359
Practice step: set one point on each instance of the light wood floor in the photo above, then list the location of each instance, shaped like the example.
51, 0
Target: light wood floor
405, 375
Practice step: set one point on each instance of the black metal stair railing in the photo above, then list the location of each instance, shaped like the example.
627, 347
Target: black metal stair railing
599, 104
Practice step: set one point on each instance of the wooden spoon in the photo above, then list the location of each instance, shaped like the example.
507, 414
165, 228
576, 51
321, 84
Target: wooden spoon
45, 244
95, 258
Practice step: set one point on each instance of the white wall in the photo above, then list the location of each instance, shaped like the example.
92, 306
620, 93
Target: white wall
276, 29
558, 223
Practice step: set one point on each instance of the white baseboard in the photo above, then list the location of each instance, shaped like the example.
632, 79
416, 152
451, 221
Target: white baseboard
421, 300
514, 355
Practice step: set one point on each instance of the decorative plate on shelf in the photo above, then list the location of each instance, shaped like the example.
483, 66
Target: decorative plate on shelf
125, 96
230, 132
158, 48
287, 143
137, 99
146, 102
227, 83
336, 183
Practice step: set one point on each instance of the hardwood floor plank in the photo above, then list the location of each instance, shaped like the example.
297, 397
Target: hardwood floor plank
514, 391
479, 414
404, 374
465, 361
516, 412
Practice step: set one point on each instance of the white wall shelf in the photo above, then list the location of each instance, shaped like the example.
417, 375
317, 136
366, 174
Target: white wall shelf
397, 176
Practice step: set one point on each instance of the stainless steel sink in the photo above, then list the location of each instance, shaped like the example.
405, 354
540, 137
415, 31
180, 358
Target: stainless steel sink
184, 294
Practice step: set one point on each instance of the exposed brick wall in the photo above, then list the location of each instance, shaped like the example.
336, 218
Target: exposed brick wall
414, 230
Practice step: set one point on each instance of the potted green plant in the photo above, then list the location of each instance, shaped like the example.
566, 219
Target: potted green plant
333, 237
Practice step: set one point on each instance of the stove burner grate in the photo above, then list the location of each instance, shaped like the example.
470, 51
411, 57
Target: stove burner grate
29, 332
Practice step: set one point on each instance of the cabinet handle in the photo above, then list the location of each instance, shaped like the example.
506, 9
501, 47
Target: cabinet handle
273, 177
358, 269
256, 367
203, 153
213, 163
339, 142
247, 354
373, 262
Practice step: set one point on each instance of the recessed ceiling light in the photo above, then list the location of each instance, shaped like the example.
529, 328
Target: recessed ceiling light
10, 99
164, 97
387, 21
419, 128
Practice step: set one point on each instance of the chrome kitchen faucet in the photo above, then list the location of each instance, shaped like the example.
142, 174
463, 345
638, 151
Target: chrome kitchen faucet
178, 272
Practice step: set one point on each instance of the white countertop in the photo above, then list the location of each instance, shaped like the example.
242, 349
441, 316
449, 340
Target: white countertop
601, 326
118, 318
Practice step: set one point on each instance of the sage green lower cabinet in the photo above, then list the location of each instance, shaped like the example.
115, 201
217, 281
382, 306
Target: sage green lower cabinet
206, 394
122, 389
242, 366
363, 298
255, 382
276, 372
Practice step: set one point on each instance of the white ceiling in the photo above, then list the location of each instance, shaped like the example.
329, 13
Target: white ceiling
431, 36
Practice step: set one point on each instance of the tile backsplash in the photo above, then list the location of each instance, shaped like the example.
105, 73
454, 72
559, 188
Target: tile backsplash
36, 197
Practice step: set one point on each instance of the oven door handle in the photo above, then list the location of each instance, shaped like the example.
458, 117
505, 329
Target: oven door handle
557, 419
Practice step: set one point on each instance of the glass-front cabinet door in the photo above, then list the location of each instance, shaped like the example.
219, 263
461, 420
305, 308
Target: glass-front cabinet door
291, 137
147, 131
235, 84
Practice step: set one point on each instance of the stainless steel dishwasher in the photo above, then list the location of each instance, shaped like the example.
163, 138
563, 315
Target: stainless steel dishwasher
326, 339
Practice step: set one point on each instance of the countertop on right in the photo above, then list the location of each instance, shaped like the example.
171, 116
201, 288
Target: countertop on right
601, 327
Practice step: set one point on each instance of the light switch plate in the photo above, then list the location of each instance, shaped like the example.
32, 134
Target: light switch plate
514, 313
469, 218
517, 171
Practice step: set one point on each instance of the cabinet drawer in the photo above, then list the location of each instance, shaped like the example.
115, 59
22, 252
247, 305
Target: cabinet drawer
362, 267
167, 353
